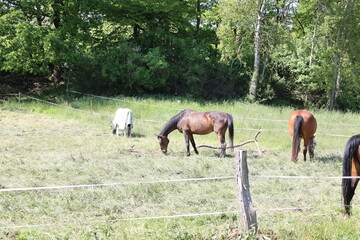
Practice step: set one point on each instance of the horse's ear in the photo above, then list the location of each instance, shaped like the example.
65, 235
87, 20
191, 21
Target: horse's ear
159, 137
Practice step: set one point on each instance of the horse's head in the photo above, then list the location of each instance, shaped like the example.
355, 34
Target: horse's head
312, 147
163, 141
113, 127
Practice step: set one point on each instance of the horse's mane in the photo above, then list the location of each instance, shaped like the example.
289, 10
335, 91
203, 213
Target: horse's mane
171, 124
350, 148
347, 190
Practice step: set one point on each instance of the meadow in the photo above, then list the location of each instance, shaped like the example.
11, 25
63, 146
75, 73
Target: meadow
43, 145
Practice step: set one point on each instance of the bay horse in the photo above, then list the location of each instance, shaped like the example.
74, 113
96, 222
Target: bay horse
123, 121
190, 122
350, 167
302, 125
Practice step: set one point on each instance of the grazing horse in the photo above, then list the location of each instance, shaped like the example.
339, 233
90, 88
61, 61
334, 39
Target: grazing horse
123, 121
190, 122
302, 125
350, 167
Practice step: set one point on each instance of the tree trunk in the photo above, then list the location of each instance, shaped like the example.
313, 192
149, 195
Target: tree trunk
265, 62
56, 75
336, 74
56, 71
313, 40
56, 6
336, 83
337, 66
198, 20
257, 43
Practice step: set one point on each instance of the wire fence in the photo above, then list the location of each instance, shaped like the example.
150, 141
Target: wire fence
22, 189
111, 184
302, 208
178, 109
116, 220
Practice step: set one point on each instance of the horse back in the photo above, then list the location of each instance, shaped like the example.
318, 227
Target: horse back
203, 122
308, 126
195, 122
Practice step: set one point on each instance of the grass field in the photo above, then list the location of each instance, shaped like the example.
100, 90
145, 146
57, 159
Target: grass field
45, 145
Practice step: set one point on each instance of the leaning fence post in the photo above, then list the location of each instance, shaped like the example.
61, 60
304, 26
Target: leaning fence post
248, 212
91, 107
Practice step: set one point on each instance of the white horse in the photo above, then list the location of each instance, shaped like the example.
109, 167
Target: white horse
123, 121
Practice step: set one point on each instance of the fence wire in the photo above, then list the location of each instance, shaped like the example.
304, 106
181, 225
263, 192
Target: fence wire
161, 181
162, 122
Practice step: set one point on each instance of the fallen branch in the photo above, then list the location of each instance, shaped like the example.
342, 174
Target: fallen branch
237, 145
133, 150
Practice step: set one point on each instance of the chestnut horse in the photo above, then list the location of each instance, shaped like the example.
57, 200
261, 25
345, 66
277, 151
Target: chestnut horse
190, 122
302, 125
351, 167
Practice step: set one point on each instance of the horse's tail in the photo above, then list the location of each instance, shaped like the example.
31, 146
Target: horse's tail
296, 137
347, 190
231, 131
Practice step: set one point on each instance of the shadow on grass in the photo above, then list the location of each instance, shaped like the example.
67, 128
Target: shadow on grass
137, 135
330, 158
133, 135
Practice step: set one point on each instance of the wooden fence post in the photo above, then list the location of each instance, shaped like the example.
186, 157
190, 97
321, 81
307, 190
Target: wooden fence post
91, 107
248, 212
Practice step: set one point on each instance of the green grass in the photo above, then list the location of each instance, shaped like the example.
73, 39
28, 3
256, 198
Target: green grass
45, 145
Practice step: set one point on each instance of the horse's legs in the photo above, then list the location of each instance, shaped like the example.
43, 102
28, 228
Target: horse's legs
186, 135
128, 130
305, 151
349, 197
223, 144
355, 171
298, 149
191, 137
311, 152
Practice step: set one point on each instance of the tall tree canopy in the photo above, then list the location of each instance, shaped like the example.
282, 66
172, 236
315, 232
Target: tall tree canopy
294, 51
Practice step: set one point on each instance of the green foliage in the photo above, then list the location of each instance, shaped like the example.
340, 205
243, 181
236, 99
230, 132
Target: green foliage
123, 69
196, 48
21, 46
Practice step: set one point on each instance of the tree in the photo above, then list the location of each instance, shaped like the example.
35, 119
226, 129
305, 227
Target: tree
304, 52
334, 37
45, 34
257, 46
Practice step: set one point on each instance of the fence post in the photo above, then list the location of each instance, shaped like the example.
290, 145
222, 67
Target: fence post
91, 107
248, 212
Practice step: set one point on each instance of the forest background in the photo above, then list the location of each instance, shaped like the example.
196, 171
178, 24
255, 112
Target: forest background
299, 52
